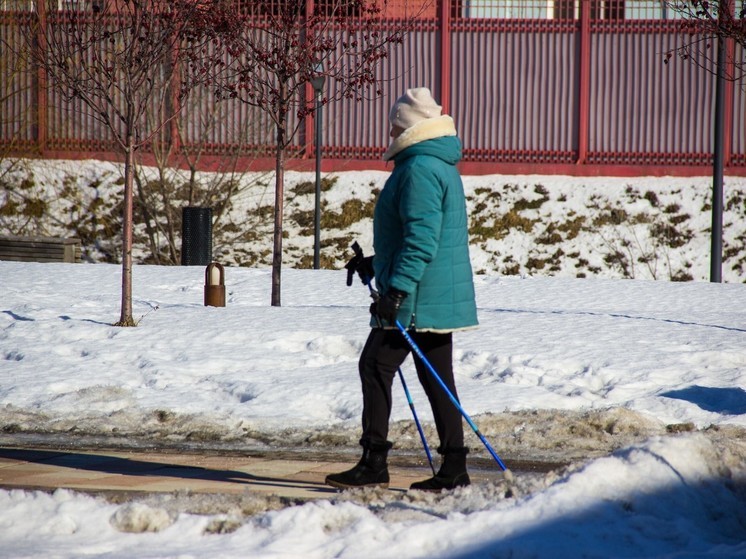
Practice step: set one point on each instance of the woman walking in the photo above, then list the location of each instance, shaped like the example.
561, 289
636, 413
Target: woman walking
423, 273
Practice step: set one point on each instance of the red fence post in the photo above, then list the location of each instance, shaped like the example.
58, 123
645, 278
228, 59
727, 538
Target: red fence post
308, 124
730, 70
41, 81
585, 79
445, 55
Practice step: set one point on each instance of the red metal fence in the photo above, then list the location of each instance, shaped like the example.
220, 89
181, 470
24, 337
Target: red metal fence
535, 86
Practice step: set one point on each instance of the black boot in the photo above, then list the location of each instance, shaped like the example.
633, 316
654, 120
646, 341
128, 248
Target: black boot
452, 472
371, 470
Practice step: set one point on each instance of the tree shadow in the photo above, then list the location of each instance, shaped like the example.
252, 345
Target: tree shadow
615, 315
15, 316
116, 465
726, 401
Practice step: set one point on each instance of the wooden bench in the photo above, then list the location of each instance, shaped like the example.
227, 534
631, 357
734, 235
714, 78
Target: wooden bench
39, 249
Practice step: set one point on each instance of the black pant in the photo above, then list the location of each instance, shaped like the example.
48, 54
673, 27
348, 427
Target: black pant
384, 352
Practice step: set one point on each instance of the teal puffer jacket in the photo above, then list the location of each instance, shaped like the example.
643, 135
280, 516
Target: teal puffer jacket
420, 237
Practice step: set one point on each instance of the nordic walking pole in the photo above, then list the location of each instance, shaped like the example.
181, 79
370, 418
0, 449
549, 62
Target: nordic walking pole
453, 399
419, 428
366, 280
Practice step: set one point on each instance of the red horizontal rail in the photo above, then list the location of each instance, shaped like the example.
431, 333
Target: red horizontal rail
467, 167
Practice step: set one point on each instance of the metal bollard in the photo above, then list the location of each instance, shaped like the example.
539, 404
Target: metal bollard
214, 285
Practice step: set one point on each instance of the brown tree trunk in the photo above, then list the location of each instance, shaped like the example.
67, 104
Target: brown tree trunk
125, 318
279, 203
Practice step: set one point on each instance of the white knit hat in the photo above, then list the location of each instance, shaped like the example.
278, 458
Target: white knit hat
415, 105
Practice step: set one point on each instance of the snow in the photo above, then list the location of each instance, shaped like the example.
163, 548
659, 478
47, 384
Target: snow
637, 384
559, 226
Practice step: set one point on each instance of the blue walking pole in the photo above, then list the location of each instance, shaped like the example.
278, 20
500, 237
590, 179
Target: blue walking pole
453, 399
417, 422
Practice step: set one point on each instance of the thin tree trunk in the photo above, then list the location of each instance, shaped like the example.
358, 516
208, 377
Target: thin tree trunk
125, 318
279, 202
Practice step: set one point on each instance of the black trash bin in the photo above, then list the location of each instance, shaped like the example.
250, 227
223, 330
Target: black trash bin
196, 236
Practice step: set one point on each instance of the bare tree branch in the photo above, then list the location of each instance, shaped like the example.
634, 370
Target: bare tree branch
702, 24
266, 53
118, 60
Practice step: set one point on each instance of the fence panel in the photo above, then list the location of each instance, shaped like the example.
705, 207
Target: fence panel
70, 124
227, 126
18, 93
643, 111
738, 137
74, 125
514, 89
360, 129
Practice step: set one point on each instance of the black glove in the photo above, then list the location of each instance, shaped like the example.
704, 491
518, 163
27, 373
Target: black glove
362, 266
387, 307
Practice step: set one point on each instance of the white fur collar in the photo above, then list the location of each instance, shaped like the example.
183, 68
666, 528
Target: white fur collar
427, 129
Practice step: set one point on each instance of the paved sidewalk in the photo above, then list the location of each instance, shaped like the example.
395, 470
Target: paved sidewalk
153, 471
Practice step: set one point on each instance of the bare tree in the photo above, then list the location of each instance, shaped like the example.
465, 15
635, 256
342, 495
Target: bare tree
160, 197
116, 59
268, 51
703, 23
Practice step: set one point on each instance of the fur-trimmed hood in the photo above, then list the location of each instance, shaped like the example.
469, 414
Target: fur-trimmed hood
427, 129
